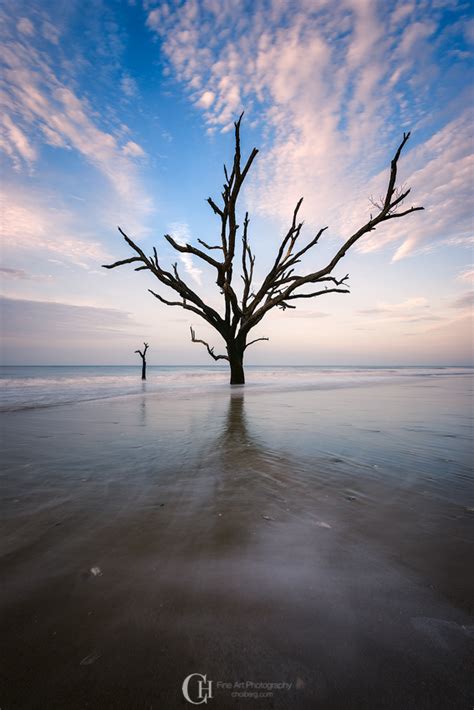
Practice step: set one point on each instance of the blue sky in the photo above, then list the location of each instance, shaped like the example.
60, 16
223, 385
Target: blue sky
120, 113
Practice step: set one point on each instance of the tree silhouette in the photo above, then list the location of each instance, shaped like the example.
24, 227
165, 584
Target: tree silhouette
143, 357
281, 286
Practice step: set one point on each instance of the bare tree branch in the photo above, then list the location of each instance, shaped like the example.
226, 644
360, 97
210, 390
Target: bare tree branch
122, 262
255, 341
188, 249
182, 304
216, 209
317, 293
207, 245
209, 349
142, 354
248, 261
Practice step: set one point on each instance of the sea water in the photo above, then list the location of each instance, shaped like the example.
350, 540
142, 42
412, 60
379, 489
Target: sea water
42, 386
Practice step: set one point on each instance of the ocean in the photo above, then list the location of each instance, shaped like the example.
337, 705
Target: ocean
43, 386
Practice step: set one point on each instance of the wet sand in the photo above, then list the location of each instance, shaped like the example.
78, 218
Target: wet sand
319, 538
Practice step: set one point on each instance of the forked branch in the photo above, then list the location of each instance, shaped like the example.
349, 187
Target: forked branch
210, 350
143, 354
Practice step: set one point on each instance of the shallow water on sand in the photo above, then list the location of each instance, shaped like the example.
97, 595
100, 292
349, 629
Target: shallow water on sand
313, 536
43, 386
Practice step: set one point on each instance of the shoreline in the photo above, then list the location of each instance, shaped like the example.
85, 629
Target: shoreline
223, 388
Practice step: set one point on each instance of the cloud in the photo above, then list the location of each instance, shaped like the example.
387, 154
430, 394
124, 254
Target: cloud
307, 314
53, 138
133, 149
18, 143
408, 305
50, 32
401, 13
414, 34
129, 86
464, 301
40, 108
20, 274
181, 234
25, 26
441, 170
450, 340
411, 310
43, 331
467, 275
38, 223
23, 315
206, 100
153, 18
333, 86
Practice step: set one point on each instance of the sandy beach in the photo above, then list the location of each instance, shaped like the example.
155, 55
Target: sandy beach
318, 539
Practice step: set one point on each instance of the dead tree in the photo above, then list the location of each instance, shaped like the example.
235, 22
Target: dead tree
143, 357
243, 309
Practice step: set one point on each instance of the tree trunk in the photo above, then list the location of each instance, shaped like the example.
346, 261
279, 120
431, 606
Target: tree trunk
235, 352
143, 369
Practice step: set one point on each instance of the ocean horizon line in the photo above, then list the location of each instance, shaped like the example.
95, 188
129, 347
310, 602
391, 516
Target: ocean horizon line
224, 367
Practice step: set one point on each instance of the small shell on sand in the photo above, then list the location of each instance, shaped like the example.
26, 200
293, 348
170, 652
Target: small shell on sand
91, 658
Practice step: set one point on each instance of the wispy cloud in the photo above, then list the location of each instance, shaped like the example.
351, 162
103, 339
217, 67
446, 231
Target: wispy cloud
23, 315
45, 331
25, 26
467, 274
411, 310
21, 274
129, 86
333, 85
442, 170
409, 304
180, 232
465, 301
307, 314
16, 144
133, 149
40, 108
32, 222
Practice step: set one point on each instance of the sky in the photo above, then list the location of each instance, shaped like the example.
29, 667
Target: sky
121, 113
